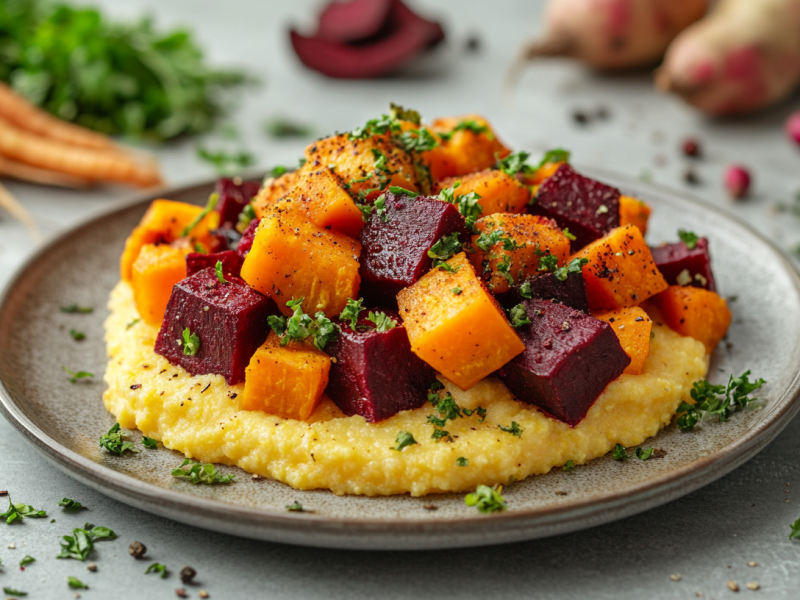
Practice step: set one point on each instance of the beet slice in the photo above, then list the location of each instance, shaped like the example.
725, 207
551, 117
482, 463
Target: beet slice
375, 374
394, 246
568, 361
405, 36
354, 20
230, 259
234, 195
229, 319
589, 209
226, 238
681, 266
546, 286
248, 235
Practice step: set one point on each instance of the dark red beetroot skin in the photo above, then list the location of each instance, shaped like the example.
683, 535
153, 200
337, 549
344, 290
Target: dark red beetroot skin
394, 249
375, 374
570, 292
230, 259
673, 259
403, 37
233, 197
354, 20
577, 202
230, 331
568, 361
248, 235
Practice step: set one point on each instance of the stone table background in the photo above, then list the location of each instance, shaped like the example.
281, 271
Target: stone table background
707, 537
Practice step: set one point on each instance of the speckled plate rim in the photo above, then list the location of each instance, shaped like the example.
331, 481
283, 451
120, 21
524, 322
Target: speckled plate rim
406, 533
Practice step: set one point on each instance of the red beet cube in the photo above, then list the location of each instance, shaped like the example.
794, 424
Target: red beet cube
248, 235
394, 246
231, 263
229, 319
546, 286
681, 266
568, 361
589, 209
375, 374
234, 195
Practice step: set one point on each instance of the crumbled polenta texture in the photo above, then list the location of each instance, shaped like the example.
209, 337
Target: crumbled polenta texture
201, 418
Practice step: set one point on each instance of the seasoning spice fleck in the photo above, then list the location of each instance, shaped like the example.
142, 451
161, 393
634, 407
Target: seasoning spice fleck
137, 549
430, 507
733, 586
92, 567
753, 586
12, 546
204, 594
752, 563
181, 593
188, 574
675, 577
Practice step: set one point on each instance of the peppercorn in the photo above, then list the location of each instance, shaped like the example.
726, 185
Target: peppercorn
690, 176
691, 148
188, 574
137, 549
181, 593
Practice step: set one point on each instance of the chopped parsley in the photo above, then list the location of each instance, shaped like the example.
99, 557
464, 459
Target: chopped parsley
568, 235
487, 499
76, 584
201, 473
398, 113
381, 125
19, 511
300, 326
462, 462
417, 140
74, 308
80, 544
157, 568
525, 290
514, 430
569, 466
210, 205
457, 291
13, 592
468, 204
468, 125
403, 440
149, 443
719, 401
644, 453
382, 321
440, 434
548, 262
619, 452
190, 343
113, 443
574, 266
401, 191
689, 238
795, 530
26, 561
132, 323
220, 274
556, 155
296, 507
514, 163
444, 249
69, 504
77, 335
487, 240
246, 217
518, 316
74, 376
351, 311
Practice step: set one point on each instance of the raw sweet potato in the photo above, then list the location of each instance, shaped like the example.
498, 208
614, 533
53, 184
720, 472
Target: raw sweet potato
621, 271
532, 236
320, 194
273, 189
293, 258
468, 145
632, 326
455, 325
695, 312
634, 212
156, 270
499, 192
286, 381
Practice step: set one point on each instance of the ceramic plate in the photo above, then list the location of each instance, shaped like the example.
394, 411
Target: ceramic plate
64, 421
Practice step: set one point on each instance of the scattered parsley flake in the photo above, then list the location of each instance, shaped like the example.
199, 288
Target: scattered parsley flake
301, 326
283, 127
210, 205
403, 440
644, 453
113, 443
417, 140
445, 248
525, 290
457, 291
487, 499
157, 568
190, 343
568, 235
548, 262
220, 274
224, 162
77, 335
296, 507
719, 401
514, 163
76, 584
201, 473
569, 465
462, 462
401, 191
440, 434
398, 113
74, 376
80, 544
575, 266
246, 217
132, 323
619, 452
74, 308
382, 321
514, 430
26, 561
556, 155
69, 504
351, 311
689, 238
518, 316
149, 443
468, 125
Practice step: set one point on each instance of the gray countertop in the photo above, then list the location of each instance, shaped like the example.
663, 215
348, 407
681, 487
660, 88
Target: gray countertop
707, 537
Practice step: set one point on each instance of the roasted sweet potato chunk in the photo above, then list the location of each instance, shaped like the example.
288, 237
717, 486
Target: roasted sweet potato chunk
468, 144
621, 271
522, 240
286, 381
455, 325
633, 211
321, 195
273, 189
155, 272
294, 258
695, 312
633, 327
499, 192
681, 265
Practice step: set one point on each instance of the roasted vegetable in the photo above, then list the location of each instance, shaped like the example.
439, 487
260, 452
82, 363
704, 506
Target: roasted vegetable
681, 265
321, 195
156, 270
230, 260
633, 327
695, 312
633, 211
272, 190
565, 286
468, 144
498, 191
234, 195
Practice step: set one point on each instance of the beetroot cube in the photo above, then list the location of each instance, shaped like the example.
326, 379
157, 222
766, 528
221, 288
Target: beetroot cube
568, 361
234, 195
394, 246
589, 209
681, 266
248, 235
546, 286
231, 263
374, 374
229, 319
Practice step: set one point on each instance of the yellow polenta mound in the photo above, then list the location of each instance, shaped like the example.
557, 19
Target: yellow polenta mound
350, 456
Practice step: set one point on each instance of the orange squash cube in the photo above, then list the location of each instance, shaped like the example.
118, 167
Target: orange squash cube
286, 381
272, 190
321, 195
632, 326
133, 245
292, 258
499, 192
156, 270
633, 211
455, 325
539, 175
499, 267
621, 271
695, 312
462, 149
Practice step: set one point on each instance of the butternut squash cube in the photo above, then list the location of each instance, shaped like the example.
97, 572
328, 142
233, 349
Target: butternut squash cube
292, 258
634, 212
286, 381
632, 326
539, 175
621, 271
455, 325
321, 195
533, 237
133, 245
499, 192
695, 312
272, 190
468, 144
156, 270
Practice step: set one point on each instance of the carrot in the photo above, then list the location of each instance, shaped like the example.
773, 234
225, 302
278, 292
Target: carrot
13, 206
23, 172
87, 163
21, 113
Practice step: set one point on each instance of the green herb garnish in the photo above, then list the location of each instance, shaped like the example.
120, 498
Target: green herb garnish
468, 125
644, 453
132, 323
556, 155
486, 499
401, 191
526, 291
689, 238
74, 376
619, 452
351, 311
568, 235
569, 466
190, 343
296, 507
13, 592
220, 274
149, 443
548, 262
445, 248
719, 401
574, 266
210, 205
462, 462
514, 430
417, 140
795, 530
518, 316
382, 321
80, 544
514, 163
157, 568
246, 217
301, 326
201, 473
403, 440
76, 584
457, 291
77, 335
26, 561
74, 308
69, 504
113, 443
224, 162
20, 510
282, 127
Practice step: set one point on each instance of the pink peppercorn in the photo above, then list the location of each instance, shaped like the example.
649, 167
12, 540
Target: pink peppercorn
737, 181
